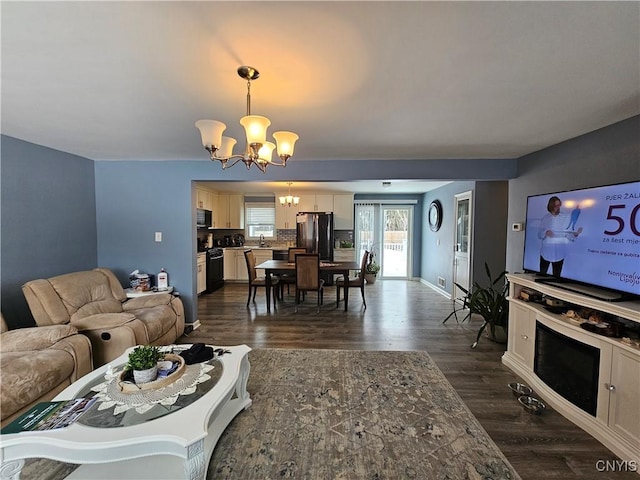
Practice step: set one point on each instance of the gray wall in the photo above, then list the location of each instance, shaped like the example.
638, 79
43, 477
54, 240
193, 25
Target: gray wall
48, 220
488, 244
606, 156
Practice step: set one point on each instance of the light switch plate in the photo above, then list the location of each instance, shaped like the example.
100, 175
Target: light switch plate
158, 236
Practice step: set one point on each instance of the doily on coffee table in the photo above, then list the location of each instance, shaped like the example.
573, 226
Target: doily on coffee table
109, 395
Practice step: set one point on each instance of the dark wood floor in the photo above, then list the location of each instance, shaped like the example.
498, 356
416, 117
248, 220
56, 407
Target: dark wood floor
408, 316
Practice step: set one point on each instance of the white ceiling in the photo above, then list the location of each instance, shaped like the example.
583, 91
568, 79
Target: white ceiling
356, 80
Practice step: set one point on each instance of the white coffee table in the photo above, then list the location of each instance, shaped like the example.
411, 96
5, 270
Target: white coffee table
180, 442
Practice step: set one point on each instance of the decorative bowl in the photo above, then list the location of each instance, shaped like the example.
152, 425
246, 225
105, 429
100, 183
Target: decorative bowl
519, 389
130, 387
532, 404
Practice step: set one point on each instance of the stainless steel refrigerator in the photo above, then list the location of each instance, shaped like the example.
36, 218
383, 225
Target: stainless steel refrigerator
315, 233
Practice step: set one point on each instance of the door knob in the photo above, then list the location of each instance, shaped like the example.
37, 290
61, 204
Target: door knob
609, 387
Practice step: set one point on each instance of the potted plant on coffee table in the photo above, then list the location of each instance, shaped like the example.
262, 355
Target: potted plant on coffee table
490, 302
143, 360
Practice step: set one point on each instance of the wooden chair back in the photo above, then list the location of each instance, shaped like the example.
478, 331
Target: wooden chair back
293, 251
363, 265
307, 271
250, 258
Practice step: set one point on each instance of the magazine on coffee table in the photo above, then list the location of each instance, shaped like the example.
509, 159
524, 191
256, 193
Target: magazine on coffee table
50, 415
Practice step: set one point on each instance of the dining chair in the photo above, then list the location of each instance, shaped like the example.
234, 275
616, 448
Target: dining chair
354, 282
255, 281
308, 277
289, 279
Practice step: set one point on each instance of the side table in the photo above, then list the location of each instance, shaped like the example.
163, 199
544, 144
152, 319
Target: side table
131, 293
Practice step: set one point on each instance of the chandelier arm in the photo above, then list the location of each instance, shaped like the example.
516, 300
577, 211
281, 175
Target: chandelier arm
225, 162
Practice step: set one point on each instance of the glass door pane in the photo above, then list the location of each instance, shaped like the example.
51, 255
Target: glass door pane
396, 236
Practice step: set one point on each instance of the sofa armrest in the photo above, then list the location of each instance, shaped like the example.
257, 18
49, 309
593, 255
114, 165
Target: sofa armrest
147, 301
79, 347
35, 338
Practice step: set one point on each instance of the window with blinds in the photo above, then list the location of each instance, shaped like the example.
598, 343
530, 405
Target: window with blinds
260, 219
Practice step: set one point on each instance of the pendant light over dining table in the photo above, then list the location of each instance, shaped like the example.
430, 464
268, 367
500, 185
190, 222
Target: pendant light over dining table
258, 150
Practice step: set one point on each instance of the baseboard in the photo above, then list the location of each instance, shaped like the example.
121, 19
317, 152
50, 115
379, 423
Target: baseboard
439, 290
190, 327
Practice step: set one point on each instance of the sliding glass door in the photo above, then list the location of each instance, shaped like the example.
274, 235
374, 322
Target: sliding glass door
385, 230
396, 241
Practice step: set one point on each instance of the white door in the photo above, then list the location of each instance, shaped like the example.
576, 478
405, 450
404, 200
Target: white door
462, 244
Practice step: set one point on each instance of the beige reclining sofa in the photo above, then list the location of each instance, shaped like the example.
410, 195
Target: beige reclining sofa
96, 304
37, 363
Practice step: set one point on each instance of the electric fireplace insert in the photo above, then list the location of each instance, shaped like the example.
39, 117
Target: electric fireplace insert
568, 366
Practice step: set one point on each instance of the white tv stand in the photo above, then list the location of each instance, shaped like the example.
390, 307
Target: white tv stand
617, 421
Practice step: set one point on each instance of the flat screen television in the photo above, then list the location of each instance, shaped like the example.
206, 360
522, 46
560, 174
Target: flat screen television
580, 239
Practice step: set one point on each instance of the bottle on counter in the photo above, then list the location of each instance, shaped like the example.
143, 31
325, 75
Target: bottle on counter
163, 280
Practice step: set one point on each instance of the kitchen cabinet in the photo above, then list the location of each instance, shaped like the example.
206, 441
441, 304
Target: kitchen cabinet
343, 211
316, 202
235, 265
201, 278
228, 211
241, 266
204, 199
286, 217
229, 264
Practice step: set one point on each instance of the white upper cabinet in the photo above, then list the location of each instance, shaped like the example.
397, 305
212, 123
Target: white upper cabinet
310, 202
343, 211
229, 211
285, 216
204, 199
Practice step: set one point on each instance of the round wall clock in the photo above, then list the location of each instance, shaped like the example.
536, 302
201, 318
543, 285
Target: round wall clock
435, 215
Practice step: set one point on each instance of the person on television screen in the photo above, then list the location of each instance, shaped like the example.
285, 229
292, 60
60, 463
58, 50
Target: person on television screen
555, 237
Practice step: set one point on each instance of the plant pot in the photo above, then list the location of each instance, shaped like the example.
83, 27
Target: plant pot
370, 277
499, 335
145, 376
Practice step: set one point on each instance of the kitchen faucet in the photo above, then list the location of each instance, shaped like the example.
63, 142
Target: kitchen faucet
261, 240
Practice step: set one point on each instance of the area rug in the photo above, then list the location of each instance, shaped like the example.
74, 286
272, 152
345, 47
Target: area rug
338, 414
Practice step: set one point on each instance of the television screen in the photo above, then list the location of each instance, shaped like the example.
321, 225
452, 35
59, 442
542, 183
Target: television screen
590, 236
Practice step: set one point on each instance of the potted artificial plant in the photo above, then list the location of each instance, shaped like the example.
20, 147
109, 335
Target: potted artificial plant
143, 360
490, 302
371, 270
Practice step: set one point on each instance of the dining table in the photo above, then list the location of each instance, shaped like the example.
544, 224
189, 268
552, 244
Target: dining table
279, 267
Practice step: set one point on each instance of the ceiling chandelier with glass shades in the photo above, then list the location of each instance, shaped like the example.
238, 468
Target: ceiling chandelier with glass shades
288, 200
258, 150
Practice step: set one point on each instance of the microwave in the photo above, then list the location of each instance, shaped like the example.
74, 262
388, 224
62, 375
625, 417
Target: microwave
203, 218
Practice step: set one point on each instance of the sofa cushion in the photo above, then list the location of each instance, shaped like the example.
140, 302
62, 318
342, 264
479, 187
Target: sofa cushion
101, 321
25, 339
26, 376
100, 306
